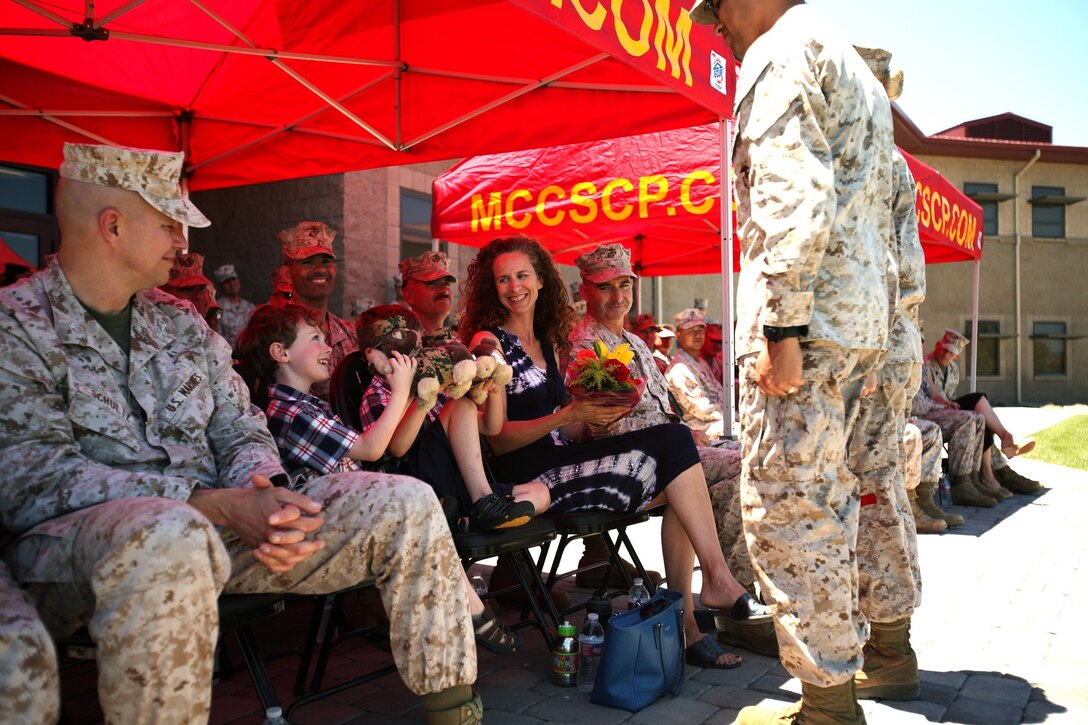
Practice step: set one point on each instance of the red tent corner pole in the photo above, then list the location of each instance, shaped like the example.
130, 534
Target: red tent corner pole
728, 328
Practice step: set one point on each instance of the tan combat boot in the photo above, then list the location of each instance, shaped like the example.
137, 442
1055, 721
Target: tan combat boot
993, 489
1016, 483
924, 497
965, 493
923, 522
835, 705
891, 667
467, 713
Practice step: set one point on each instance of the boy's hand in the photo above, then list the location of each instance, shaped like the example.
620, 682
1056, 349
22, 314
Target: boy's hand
491, 389
403, 373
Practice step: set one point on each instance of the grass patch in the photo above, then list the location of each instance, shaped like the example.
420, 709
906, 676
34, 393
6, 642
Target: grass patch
1063, 444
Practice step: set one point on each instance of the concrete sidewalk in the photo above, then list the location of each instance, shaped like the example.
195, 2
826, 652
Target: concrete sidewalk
1000, 637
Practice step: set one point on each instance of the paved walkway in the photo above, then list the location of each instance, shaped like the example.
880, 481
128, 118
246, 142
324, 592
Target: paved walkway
1000, 638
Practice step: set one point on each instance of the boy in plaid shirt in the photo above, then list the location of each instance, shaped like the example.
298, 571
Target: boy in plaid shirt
285, 344
442, 445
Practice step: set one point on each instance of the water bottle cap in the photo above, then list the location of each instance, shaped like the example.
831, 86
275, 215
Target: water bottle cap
638, 581
273, 712
592, 616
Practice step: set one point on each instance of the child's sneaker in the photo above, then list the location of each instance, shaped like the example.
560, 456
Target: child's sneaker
494, 512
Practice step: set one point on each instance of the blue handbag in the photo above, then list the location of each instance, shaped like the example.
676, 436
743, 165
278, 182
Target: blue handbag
643, 654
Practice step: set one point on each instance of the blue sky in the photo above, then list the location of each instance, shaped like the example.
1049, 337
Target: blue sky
967, 59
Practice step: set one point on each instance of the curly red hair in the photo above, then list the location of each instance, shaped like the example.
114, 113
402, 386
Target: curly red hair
480, 307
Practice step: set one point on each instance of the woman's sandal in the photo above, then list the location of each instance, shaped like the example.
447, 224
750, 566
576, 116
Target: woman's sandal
1013, 450
706, 653
492, 635
745, 610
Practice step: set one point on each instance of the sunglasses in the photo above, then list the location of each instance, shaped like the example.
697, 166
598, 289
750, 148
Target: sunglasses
653, 607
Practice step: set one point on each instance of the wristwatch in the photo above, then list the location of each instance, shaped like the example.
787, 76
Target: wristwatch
778, 334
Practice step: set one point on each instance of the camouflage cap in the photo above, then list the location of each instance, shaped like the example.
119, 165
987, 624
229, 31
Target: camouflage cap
953, 341
879, 62
427, 267
306, 239
154, 175
705, 12
188, 271
225, 272
689, 318
644, 322
605, 263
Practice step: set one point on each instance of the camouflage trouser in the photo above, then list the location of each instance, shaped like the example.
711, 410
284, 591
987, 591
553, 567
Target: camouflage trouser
800, 507
29, 688
930, 444
962, 430
721, 466
144, 575
889, 580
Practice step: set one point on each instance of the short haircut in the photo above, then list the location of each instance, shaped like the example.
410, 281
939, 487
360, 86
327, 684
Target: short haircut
370, 333
269, 324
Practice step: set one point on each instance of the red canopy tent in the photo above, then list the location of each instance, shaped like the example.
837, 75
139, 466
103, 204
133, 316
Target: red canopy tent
657, 194
254, 90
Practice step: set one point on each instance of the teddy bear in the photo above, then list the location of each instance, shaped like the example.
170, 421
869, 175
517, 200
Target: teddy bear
490, 365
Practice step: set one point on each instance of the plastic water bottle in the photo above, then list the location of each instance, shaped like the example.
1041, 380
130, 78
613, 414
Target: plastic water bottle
590, 647
945, 487
638, 595
565, 657
274, 716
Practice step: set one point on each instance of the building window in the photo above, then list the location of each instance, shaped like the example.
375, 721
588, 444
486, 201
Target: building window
984, 194
1050, 342
415, 224
988, 350
27, 225
1047, 218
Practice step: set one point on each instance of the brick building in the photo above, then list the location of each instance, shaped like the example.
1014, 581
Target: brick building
1033, 296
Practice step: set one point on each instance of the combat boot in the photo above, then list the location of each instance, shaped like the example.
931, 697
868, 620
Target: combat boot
891, 667
965, 493
835, 705
1016, 483
923, 522
467, 713
924, 497
992, 489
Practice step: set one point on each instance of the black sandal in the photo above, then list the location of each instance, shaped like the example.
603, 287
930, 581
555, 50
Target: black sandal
492, 635
745, 610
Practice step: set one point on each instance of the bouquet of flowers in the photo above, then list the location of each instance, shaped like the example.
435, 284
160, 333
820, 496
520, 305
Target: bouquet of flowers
604, 375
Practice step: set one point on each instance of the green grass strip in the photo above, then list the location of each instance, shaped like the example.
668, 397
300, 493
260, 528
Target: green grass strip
1065, 444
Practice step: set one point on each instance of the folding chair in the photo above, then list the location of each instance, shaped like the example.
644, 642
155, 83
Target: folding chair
236, 613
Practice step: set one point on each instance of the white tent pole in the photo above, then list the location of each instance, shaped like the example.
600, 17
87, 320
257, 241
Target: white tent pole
974, 320
726, 138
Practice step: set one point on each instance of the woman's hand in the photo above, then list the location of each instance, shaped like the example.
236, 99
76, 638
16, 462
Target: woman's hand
593, 413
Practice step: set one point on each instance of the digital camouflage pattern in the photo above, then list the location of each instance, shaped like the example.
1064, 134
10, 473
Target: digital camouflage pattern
813, 165
306, 239
154, 175
700, 396
889, 578
927, 468
102, 452
427, 267
721, 464
688, 318
800, 506
29, 685
605, 263
963, 430
905, 340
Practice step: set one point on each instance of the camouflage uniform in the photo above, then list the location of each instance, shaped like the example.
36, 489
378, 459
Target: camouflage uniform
29, 687
701, 398
102, 452
813, 167
946, 379
887, 549
962, 431
721, 463
925, 465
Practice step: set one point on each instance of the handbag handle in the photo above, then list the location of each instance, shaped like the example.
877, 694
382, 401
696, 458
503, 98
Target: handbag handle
679, 684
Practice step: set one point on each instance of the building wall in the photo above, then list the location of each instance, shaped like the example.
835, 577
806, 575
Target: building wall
1053, 273
245, 222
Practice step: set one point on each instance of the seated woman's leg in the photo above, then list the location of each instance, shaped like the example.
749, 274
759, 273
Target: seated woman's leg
994, 427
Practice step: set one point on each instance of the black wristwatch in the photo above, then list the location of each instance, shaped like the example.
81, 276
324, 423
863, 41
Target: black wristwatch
778, 334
